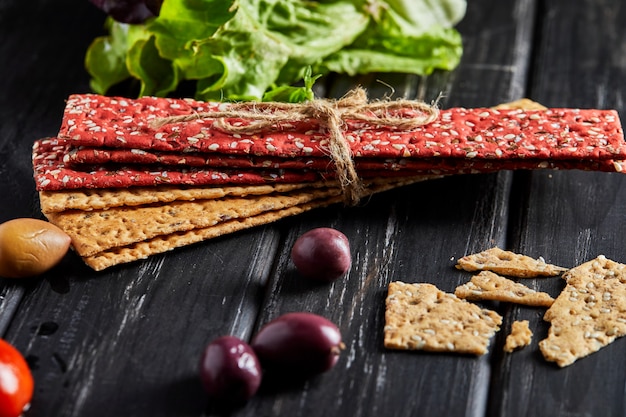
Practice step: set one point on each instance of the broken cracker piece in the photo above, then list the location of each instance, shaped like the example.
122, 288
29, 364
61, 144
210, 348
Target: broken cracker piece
493, 287
422, 317
589, 313
508, 263
522, 103
520, 336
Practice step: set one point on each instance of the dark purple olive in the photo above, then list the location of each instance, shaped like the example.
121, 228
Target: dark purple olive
322, 254
127, 11
300, 344
230, 370
154, 6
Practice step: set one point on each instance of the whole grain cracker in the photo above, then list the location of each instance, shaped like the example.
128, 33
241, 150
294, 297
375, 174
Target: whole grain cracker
98, 230
99, 199
422, 317
589, 313
520, 336
509, 264
490, 286
165, 242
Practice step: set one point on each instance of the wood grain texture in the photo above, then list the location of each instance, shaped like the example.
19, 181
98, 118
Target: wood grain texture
127, 341
569, 217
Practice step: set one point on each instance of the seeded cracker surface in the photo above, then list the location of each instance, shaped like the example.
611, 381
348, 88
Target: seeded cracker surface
92, 120
422, 317
508, 263
589, 313
104, 198
52, 173
520, 336
98, 230
81, 159
164, 243
133, 242
490, 286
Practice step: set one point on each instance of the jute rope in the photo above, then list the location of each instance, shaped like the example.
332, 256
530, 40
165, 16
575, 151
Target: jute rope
330, 114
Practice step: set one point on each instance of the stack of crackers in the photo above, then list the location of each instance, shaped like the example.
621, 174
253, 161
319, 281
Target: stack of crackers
128, 178
588, 314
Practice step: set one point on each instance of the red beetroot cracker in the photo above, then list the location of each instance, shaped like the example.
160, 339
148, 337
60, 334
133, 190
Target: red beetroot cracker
77, 157
51, 174
482, 133
83, 158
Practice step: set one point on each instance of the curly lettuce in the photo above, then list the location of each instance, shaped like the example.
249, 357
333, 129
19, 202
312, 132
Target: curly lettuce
264, 49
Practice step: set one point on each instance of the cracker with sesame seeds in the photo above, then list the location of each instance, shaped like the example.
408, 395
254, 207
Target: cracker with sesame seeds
51, 173
490, 286
422, 317
122, 234
520, 336
589, 314
164, 243
104, 198
97, 230
508, 263
113, 122
86, 158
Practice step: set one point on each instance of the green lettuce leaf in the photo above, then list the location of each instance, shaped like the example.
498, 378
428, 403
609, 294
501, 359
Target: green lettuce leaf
260, 49
105, 59
404, 36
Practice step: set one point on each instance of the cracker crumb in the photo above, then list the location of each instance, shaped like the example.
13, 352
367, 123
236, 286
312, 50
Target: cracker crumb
520, 336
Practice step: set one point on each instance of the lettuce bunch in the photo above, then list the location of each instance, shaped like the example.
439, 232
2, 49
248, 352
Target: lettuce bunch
260, 49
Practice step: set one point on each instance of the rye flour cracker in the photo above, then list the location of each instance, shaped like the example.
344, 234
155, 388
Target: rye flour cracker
509, 264
119, 253
589, 313
490, 286
422, 317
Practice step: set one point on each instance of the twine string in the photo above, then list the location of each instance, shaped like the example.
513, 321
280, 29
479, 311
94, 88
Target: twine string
330, 114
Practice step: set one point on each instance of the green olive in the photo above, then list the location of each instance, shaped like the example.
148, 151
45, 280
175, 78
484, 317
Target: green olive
30, 247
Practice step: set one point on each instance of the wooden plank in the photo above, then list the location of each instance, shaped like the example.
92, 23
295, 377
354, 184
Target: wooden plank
34, 85
569, 217
126, 341
411, 235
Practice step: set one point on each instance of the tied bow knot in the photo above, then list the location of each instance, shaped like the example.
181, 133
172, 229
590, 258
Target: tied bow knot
330, 114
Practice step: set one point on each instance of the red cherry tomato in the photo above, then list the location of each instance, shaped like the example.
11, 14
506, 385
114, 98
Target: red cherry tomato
16, 381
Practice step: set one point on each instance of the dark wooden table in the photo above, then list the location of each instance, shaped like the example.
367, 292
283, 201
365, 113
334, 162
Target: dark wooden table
126, 341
